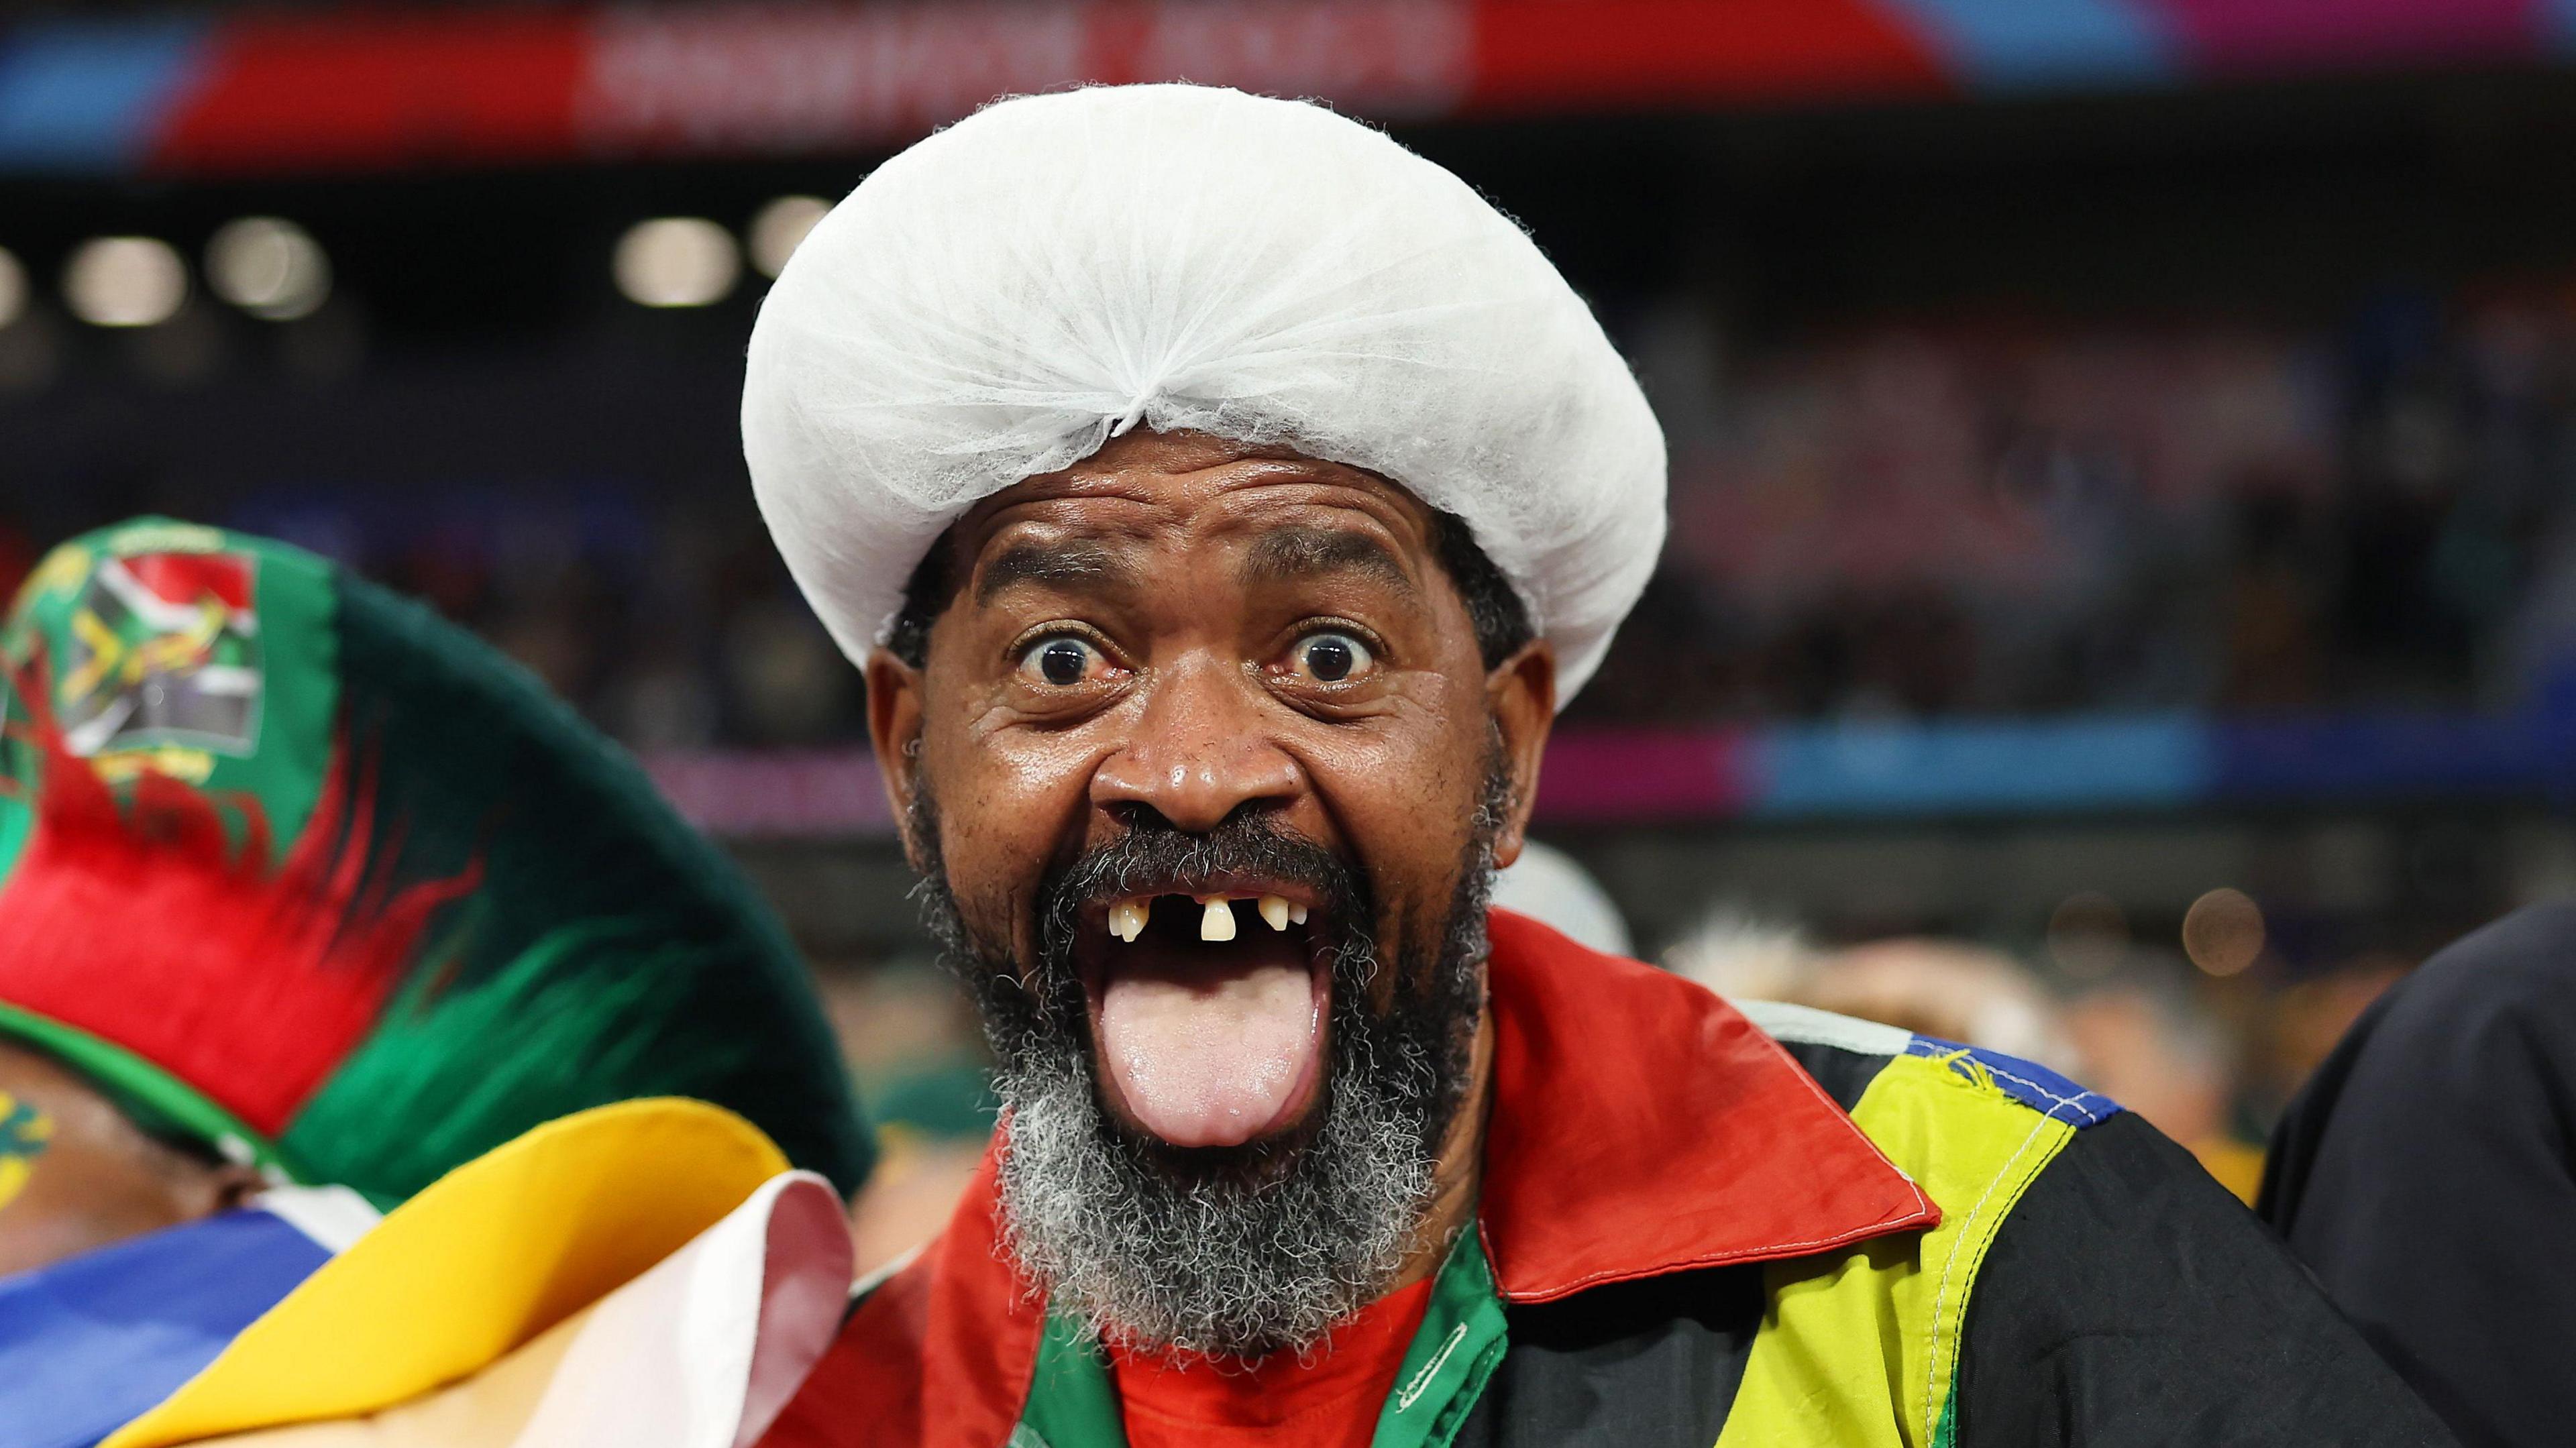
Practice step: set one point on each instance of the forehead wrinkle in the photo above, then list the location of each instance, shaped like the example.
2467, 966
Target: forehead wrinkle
1073, 563
1284, 555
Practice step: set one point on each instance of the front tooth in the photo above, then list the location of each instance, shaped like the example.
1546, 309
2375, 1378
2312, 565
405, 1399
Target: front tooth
1296, 914
1217, 922
1275, 910
1127, 920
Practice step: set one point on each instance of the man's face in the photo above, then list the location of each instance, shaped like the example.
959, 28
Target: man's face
1209, 772
76, 1175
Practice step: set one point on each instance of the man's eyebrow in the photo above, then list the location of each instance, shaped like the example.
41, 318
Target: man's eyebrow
1030, 561
1291, 553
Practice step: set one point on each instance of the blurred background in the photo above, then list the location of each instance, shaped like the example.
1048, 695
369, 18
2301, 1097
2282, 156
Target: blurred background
2121, 604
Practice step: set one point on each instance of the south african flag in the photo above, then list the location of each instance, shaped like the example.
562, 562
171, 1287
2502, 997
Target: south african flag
165, 652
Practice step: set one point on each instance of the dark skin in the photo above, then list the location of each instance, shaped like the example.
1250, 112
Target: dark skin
1198, 577
98, 1179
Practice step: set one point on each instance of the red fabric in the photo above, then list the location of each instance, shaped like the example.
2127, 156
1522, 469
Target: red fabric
185, 578
143, 925
941, 1354
1640, 1126
1329, 1401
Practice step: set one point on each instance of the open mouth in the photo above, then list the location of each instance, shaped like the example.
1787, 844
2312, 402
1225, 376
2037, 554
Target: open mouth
1208, 1009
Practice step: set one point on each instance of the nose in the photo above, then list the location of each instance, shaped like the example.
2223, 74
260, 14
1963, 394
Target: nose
1199, 751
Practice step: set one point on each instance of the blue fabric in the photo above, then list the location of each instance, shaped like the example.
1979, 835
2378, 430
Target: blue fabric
2027, 1082
88, 1344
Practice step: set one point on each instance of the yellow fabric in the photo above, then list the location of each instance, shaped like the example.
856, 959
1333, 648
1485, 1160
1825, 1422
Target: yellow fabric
1859, 1350
488, 1410
486, 1259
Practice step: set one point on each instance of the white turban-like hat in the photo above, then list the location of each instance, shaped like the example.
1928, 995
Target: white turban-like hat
1004, 297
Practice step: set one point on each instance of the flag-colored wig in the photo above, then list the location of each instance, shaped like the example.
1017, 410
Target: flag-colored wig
292, 866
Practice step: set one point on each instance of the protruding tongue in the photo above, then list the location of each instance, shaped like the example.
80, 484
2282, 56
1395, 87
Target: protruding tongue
1213, 1058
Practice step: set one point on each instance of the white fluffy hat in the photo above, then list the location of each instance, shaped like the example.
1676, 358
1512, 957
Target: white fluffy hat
1004, 297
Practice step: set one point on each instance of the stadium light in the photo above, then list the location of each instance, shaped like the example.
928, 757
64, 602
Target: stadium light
270, 268
677, 261
13, 288
125, 281
780, 228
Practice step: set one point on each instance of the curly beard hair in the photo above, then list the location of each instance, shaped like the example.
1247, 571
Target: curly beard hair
1234, 1252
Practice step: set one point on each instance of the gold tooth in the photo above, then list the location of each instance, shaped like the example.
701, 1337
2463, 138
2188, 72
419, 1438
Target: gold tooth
1275, 910
1216, 922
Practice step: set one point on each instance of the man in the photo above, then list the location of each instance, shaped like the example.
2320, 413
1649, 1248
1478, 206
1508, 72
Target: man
307, 897
1235, 497
2427, 1175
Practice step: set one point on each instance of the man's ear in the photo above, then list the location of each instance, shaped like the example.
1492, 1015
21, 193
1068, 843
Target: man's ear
1520, 695
894, 728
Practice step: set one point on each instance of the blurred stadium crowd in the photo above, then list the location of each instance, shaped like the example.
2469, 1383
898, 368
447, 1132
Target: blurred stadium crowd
1971, 515
2002, 514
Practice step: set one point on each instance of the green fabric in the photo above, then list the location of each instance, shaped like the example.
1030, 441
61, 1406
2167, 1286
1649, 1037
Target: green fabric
590, 872
16, 819
606, 950
1461, 1342
947, 1101
150, 1097
1073, 1399
430, 1065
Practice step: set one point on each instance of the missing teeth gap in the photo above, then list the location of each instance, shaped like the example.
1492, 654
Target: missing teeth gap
1128, 918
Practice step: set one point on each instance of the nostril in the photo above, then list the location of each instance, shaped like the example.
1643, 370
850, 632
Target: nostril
1136, 814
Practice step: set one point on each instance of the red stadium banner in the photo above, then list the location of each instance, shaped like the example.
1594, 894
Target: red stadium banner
278, 91
307, 93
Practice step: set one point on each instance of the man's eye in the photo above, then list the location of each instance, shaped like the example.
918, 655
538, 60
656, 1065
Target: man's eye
1330, 658
1060, 661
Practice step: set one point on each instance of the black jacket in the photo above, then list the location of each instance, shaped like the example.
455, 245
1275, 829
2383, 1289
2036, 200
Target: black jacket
2427, 1174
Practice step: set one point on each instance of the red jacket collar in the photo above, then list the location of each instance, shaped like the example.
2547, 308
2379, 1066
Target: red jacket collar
1640, 1126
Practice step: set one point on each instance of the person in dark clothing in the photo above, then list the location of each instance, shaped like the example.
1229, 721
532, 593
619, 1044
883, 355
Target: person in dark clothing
2427, 1175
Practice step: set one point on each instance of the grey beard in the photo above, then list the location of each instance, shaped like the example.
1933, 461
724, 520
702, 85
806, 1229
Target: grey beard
1211, 1265
1235, 1253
